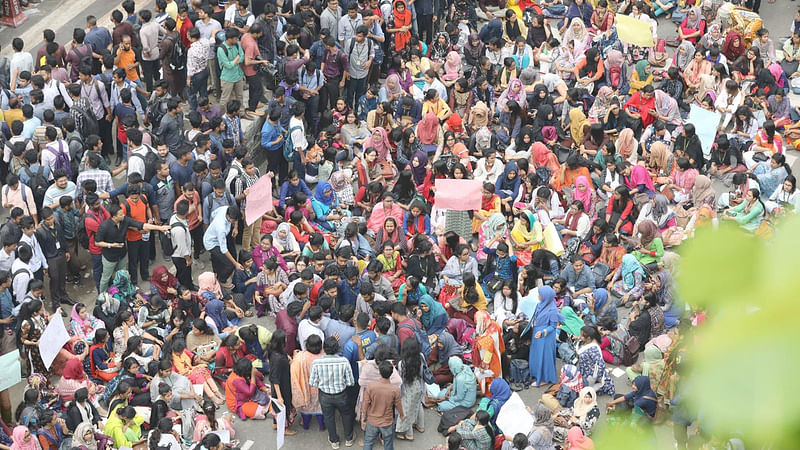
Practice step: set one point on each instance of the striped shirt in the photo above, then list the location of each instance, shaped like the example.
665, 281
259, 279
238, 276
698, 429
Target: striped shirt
331, 374
242, 182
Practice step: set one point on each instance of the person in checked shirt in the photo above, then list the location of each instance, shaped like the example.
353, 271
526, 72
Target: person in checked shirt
332, 374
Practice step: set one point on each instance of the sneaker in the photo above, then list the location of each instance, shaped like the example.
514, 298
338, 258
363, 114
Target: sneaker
348, 443
335, 445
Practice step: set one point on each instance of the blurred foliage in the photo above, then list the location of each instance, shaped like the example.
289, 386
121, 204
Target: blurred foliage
743, 360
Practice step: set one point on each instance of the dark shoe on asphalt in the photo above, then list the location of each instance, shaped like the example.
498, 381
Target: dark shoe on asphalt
145, 277
68, 301
118, 161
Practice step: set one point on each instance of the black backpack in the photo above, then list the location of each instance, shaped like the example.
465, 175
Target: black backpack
166, 239
89, 125
14, 275
177, 61
150, 160
156, 110
38, 184
76, 158
84, 59
80, 229
106, 82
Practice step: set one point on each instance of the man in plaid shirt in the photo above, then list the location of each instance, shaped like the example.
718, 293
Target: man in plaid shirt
332, 374
241, 187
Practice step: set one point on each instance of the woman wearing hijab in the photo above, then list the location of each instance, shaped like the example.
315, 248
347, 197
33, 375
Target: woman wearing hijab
693, 26
507, 187
452, 68
392, 90
667, 301
543, 326
421, 174
164, 284
652, 366
430, 133
601, 105
379, 140
463, 390
23, 439
478, 117
641, 400
82, 324
284, 241
526, 236
578, 127
628, 280
641, 76
684, 55
667, 109
85, 438
125, 291
500, 393
73, 378
433, 316
473, 50
584, 414
541, 156
488, 349
734, 45
217, 319
576, 440
515, 91
325, 203
577, 33
402, 24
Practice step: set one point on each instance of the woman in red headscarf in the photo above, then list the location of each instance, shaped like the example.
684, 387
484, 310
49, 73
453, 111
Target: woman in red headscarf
165, 284
402, 24
73, 378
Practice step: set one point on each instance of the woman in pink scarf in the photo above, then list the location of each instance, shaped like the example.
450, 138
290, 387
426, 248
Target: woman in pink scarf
452, 66
639, 181
585, 194
626, 144
379, 140
514, 91
83, 325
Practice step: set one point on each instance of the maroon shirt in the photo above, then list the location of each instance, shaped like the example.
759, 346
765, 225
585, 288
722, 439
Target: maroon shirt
404, 332
122, 29
289, 326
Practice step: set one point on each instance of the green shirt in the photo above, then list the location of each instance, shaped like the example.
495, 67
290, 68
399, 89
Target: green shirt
229, 71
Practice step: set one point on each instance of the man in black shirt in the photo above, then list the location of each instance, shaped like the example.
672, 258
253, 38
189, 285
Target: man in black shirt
111, 238
54, 247
11, 227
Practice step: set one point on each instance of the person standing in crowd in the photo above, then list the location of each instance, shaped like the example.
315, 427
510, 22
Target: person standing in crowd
56, 251
223, 222
332, 374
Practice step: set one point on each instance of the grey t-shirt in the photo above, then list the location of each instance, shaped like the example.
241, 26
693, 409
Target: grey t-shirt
359, 56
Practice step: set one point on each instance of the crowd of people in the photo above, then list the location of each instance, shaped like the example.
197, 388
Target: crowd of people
126, 147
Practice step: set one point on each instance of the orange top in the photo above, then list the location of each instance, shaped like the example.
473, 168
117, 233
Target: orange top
126, 59
138, 212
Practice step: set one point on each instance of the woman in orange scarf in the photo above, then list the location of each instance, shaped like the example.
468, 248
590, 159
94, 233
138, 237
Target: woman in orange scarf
490, 204
487, 348
402, 24
304, 397
541, 156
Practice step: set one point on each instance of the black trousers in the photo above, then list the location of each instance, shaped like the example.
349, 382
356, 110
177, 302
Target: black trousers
57, 270
106, 136
330, 403
277, 164
425, 27
329, 93
150, 72
221, 265
139, 259
183, 272
197, 239
256, 91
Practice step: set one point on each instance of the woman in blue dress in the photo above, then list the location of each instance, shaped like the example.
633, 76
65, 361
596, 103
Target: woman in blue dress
542, 357
326, 207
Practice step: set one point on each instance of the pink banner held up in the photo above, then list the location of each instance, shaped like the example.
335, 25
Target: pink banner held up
458, 195
259, 200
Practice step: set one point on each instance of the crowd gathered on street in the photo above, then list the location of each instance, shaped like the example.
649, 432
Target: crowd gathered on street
131, 152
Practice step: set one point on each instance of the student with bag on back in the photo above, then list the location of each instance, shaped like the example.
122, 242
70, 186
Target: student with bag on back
173, 59
56, 153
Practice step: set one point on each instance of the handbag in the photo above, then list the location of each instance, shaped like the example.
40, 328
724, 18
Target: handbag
760, 157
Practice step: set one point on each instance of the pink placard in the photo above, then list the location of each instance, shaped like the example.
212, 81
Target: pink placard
458, 195
259, 200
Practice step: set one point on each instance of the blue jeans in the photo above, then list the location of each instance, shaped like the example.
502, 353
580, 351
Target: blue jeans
371, 433
199, 85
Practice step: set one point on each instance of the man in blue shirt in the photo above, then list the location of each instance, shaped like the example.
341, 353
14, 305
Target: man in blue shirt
272, 141
99, 39
356, 347
349, 287
341, 328
215, 240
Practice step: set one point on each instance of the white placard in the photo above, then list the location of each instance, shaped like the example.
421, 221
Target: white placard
281, 425
53, 338
224, 435
617, 372
198, 389
514, 417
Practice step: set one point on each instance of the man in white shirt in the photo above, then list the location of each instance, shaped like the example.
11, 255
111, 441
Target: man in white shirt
21, 274
38, 263
20, 62
53, 88
310, 326
349, 23
136, 164
7, 253
54, 147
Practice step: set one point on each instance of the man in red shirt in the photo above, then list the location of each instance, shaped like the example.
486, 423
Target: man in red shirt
95, 215
252, 58
405, 325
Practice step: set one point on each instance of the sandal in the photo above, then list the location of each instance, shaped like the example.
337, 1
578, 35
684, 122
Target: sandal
401, 436
248, 313
419, 429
